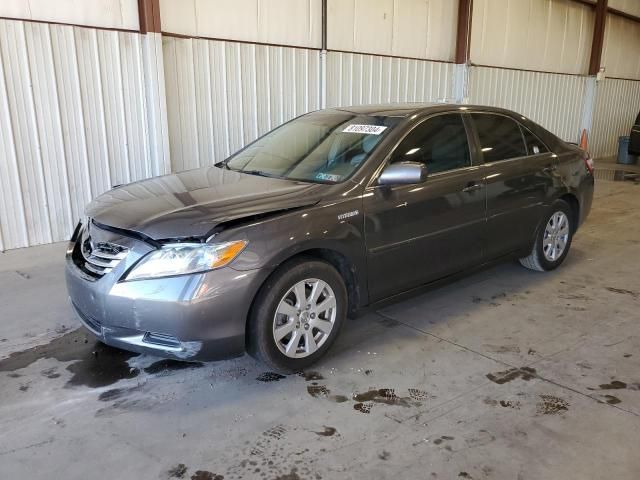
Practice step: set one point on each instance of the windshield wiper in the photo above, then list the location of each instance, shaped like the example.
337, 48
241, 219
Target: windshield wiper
256, 172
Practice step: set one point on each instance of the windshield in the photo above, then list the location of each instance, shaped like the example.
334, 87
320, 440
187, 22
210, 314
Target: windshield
323, 147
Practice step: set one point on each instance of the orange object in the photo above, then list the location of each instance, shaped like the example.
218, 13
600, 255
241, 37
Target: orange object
583, 140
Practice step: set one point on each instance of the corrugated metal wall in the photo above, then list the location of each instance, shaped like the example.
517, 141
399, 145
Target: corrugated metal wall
222, 95
544, 35
74, 119
555, 101
403, 28
82, 109
359, 79
620, 55
617, 105
282, 22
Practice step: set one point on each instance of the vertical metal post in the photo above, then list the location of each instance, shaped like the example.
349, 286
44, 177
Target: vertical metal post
598, 37
157, 146
323, 58
463, 36
588, 107
463, 47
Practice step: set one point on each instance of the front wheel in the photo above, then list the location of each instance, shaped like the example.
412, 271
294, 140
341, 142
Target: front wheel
297, 315
553, 239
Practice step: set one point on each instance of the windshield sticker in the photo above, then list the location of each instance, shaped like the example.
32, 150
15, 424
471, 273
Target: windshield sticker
365, 129
328, 177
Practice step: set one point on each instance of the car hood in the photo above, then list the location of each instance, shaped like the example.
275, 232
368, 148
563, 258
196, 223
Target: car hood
192, 203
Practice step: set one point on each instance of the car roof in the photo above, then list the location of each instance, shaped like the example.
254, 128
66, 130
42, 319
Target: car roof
408, 109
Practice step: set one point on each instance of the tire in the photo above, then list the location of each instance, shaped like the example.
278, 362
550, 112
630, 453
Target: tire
541, 257
279, 312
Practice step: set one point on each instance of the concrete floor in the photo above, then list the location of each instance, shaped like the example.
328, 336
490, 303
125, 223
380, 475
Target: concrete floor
507, 374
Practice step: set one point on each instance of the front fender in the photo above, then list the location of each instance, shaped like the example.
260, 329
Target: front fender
336, 226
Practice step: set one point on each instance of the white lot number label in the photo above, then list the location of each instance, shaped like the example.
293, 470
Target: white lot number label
365, 129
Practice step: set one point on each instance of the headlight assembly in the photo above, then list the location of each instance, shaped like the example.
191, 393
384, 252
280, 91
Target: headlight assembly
185, 258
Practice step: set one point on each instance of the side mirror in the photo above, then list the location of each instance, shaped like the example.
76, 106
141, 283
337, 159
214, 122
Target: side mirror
403, 173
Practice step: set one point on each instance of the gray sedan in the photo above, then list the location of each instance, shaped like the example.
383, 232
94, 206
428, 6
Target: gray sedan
337, 210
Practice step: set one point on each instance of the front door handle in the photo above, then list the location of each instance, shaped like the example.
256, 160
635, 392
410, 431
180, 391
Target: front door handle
472, 186
549, 169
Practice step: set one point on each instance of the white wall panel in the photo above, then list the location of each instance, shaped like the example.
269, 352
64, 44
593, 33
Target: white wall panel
354, 79
284, 22
97, 13
617, 105
555, 101
621, 50
628, 6
546, 35
222, 95
74, 120
408, 28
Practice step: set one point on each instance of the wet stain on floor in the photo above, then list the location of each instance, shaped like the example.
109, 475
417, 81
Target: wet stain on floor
623, 291
552, 405
515, 404
524, 373
270, 377
327, 432
116, 393
617, 175
311, 376
338, 398
612, 400
50, 372
363, 407
206, 475
442, 439
271, 456
386, 396
177, 471
617, 385
292, 475
418, 394
318, 391
95, 364
614, 385
167, 365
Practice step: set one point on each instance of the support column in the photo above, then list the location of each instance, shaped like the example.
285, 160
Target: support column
588, 107
155, 95
323, 58
598, 37
461, 83
463, 47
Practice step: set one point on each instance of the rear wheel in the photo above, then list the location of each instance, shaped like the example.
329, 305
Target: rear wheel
553, 239
297, 315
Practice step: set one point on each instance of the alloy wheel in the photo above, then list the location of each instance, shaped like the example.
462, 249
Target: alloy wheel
304, 318
556, 235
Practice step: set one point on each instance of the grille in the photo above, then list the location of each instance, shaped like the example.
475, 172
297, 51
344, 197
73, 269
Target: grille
98, 258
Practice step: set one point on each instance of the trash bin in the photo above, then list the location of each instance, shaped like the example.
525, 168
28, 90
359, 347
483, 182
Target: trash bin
623, 152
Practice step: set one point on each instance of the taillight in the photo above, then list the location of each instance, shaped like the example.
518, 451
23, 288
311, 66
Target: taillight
588, 162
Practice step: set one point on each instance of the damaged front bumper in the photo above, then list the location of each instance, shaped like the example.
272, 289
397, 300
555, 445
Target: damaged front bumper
187, 317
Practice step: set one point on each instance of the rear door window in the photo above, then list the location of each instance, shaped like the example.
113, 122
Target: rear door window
439, 142
500, 137
534, 145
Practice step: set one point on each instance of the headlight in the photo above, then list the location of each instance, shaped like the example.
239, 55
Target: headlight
183, 258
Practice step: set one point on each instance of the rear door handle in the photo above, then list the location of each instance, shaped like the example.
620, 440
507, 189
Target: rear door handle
472, 186
549, 169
